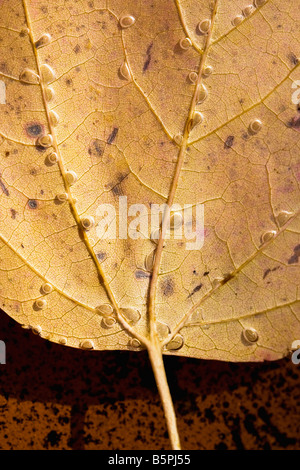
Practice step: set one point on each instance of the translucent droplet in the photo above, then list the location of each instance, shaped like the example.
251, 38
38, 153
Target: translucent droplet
197, 119
63, 197
47, 288
175, 343
283, 217
124, 71
44, 40
29, 76
247, 11
207, 71
162, 330
49, 93
149, 261
202, 94
255, 126
193, 77
36, 330
250, 335
47, 73
176, 220
185, 43
71, 177
87, 222
40, 304
105, 310
134, 343
267, 236
204, 26
108, 322
54, 118
126, 21
259, 3
196, 317
132, 315
178, 138
52, 158
62, 341
237, 20
217, 281
45, 140
205, 327
87, 344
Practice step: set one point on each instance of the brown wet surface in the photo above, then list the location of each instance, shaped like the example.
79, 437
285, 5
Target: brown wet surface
54, 397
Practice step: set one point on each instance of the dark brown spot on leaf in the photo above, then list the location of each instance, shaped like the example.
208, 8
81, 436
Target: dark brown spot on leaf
32, 204
227, 277
77, 49
13, 213
295, 257
4, 188
268, 271
196, 289
141, 274
167, 287
101, 255
112, 136
294, 123
96, 148
229, 142
148, 58
34, 129
293, 58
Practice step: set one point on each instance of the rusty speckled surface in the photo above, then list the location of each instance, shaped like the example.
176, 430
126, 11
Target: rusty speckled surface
54, 397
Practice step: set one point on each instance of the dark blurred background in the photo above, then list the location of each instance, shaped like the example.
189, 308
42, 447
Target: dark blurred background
55, 397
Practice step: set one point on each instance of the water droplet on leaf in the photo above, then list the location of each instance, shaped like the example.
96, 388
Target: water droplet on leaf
44, 40
175, 343
250, 335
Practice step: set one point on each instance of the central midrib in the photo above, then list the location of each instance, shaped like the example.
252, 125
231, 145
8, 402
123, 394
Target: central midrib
170, 200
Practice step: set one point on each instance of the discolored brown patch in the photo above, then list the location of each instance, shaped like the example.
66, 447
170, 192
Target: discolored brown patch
32, 204
294, 123
229, 142
196, 289
113, 135
34, 129
167, 287
295, 257
96, 148
139, 274
101, 255
148, 58
13, 213
4, 188
268, 271
293, 58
